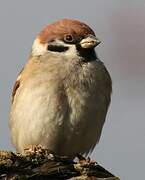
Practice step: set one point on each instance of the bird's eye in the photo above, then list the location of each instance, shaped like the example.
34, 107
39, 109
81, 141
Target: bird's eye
68, 38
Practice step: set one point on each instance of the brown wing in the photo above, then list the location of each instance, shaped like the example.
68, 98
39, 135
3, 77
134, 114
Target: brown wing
16, 86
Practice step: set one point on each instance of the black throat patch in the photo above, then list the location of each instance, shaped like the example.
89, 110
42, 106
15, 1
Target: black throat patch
87, 54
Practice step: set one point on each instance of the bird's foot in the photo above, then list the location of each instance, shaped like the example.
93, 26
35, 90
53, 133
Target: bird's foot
32, 148
36, 149
84, 161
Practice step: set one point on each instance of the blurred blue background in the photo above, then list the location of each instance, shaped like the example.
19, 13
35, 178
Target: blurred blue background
121, 27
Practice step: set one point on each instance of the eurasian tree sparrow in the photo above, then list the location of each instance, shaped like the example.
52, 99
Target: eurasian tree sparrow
61, 96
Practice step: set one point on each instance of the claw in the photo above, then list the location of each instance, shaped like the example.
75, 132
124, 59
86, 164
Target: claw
83, 160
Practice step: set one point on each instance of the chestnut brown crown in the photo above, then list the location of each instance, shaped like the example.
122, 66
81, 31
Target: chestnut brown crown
65, 27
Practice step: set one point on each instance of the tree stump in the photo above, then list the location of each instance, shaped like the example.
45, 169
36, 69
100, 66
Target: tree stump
41, 164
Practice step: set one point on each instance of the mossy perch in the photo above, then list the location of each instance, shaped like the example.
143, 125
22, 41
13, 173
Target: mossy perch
41, 164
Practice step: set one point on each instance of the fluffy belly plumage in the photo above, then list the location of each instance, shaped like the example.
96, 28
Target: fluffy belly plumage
59, 122
64, 116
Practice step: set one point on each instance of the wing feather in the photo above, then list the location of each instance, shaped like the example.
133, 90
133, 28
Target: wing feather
16, 85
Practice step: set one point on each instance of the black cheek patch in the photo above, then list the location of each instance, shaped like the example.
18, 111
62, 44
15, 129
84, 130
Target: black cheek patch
57, 48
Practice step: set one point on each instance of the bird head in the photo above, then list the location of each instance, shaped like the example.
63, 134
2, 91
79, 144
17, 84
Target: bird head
68, 38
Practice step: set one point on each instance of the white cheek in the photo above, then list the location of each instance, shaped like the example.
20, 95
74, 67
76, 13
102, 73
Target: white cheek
72, 52
38, 48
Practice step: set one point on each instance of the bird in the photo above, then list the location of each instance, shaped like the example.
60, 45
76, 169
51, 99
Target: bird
61, 97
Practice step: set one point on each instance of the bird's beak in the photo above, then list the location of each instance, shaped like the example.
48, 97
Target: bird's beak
89, 42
